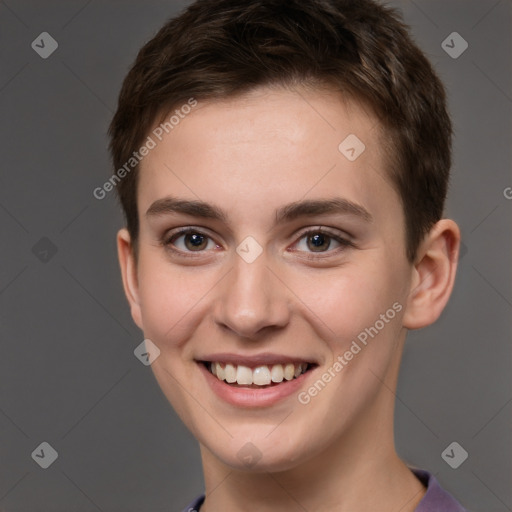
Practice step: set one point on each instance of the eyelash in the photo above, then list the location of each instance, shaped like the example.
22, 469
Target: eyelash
167, 241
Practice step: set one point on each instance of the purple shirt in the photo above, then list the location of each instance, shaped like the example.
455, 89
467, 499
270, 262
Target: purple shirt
435, 500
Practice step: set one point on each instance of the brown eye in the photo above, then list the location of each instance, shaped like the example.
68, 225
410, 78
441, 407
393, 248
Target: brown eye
188, 241
195, 241
318, 242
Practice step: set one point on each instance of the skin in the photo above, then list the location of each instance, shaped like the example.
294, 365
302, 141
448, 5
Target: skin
251, 155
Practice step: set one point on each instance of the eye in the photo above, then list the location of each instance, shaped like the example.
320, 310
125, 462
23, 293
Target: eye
192, 240
319, 240
187, 241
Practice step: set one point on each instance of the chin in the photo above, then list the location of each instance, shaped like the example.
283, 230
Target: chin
258, 454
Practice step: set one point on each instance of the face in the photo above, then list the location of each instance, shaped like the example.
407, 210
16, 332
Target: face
294, 268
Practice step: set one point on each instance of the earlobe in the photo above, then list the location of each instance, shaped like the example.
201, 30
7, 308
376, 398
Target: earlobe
125, 253
433, 275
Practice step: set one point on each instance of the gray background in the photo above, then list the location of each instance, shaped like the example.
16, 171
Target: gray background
68, 375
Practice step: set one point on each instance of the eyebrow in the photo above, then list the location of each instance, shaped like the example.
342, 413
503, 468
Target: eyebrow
287, 213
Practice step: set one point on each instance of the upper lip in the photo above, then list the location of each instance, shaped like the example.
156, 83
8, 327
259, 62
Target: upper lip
254, 360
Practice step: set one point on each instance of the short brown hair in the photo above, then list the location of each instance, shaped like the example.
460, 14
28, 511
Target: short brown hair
222, 48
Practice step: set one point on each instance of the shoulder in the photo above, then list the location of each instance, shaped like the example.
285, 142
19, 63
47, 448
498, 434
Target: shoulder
436, 498
195, 505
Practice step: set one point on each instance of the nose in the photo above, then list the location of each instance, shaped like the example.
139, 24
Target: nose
252, 299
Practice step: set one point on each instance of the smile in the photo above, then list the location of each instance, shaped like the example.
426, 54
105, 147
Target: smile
258, 377
258, 380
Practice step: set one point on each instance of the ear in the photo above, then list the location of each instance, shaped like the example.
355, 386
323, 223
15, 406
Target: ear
125, 253
433, 275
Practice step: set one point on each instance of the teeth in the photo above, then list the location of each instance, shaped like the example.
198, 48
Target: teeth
219, 371
243, 375
277, 373
230, 372
260, 376
289, 371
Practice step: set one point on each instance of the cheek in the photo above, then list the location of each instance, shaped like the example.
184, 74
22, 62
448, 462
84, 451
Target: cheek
363, 310
166, 299
353, 298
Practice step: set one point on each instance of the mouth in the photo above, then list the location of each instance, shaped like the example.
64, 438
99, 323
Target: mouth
257, 377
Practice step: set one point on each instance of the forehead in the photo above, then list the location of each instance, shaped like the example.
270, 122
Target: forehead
269, 148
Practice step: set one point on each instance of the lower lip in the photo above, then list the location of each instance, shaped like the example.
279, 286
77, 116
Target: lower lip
252, 397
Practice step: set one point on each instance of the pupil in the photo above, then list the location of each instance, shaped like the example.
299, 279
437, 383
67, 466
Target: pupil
318, 240
196, 239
